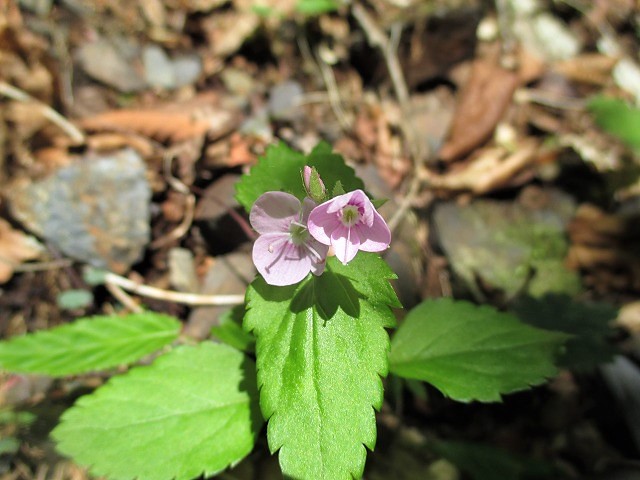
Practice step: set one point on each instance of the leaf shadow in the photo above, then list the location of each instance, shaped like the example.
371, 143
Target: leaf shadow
328, 293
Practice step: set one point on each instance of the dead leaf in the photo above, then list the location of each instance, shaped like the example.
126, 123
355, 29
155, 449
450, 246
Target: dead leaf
171, 123
482, 103
493, 169
589, 68
15, 248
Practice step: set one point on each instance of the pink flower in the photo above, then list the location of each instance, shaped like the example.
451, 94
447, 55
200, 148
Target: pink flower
285, 253
349, 223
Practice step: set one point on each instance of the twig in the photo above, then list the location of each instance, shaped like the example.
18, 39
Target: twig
42, 266
378, 38
334, 94
123, 298
190, 205
170, 295
49, 113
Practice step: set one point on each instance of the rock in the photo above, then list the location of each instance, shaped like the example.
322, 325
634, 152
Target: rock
284, 101
187, 69
163, 72
158, 68
95, 210
513, 247
229, 275
113, 64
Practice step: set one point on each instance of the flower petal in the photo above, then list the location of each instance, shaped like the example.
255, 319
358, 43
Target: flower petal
375, 238
322, 222
345, 242
273, 212
279, 261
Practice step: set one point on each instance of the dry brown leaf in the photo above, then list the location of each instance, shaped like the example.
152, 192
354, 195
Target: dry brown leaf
15, 248
493, 169
173, 123
482, 103
590, 68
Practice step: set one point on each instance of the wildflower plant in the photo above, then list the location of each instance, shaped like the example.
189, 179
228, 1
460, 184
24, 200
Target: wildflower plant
307, 353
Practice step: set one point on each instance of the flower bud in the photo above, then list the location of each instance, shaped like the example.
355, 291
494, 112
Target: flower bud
313, 184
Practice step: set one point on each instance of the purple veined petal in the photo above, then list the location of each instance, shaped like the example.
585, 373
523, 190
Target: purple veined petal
321, 223
279, 261
375, 238
273, 212
337, 203
345, 242
362, 201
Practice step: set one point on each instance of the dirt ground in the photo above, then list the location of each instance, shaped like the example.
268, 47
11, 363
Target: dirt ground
485, 107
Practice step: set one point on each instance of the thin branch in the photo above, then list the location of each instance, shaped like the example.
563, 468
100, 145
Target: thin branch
123, 297
388, 46
192, 299
49, 113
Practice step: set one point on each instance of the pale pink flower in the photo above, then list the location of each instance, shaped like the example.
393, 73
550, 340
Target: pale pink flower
285, 252
349, 223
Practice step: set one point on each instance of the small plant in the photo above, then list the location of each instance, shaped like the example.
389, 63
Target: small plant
320, 312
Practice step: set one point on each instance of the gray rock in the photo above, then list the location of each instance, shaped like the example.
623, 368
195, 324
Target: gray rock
229, 275
187, 69
112, 63
507, 246
284, 100
95, 210
158, 67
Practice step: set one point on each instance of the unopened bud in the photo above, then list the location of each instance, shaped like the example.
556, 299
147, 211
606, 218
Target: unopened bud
313, 184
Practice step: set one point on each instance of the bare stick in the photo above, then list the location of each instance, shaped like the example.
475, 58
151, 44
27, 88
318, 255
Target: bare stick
378, 38
193, 299
123, 298
49, 113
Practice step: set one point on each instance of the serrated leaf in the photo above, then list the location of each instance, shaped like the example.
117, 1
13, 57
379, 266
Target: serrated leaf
279, 170
588, 323
89, 344
470, 352
321, 350
193, 411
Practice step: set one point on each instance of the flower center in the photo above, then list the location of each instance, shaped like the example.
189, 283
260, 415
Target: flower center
299, 233
350, 215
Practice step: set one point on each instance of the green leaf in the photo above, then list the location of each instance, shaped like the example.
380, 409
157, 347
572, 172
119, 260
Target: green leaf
483, 462
321, 350
193, 411
89, 344
618, 118
470, 352
230, 330
588, 323
316, 7
279, 170
72, 299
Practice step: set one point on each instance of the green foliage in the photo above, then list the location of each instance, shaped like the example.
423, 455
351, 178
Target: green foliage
588, 323
483, 462
192, 411
72, 299
316, 7
229, 330
472, 353
617, 118
89, 344
280, 169
321, 350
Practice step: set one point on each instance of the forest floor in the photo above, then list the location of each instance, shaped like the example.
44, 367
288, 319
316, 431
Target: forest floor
477, 120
